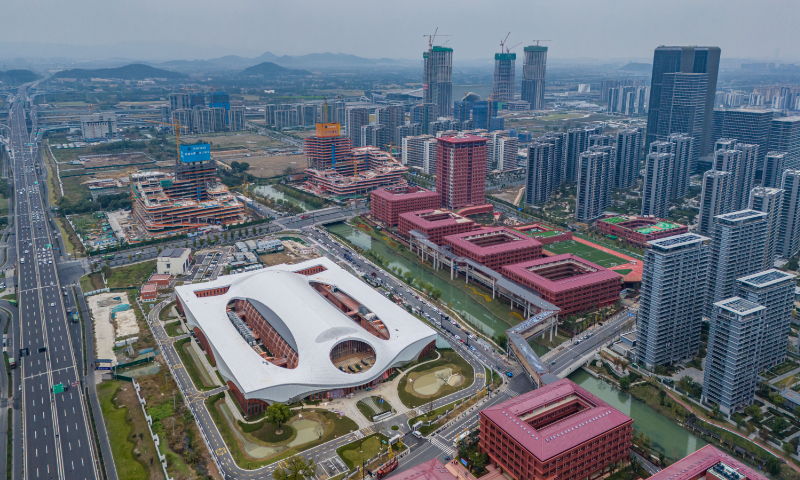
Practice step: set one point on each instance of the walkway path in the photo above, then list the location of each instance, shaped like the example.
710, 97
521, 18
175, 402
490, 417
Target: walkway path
785, 375
768, 448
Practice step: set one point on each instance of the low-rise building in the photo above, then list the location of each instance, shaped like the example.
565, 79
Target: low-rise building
269, 246
571, 283
149, 292
241, 247
709, 463
636, 230
389, 203
495, 246
559, 431
251, 245
174, 261
435, 223
161, 280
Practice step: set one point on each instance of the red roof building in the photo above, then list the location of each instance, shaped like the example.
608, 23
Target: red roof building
711, 463
435, 223
430, 470
638, 231
559, 431
495, 246
569, 282
388, 203
149, 292
461, 170
160, 279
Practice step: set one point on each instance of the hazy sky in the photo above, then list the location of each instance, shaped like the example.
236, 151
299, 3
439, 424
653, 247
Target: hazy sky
602, 29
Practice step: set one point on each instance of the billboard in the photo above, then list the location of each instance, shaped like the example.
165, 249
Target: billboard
195, 153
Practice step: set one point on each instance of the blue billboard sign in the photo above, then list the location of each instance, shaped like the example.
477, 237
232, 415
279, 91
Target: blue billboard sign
195, 153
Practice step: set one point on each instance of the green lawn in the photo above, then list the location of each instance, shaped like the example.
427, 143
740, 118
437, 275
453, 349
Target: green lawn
367, 411
355, 453
119, 430
164, 314
131, 276
586, 252
174, 329
192, 368
449, 359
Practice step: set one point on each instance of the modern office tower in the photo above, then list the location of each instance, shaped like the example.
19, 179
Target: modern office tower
577, 142
674, 283
691, 60
423, 114
593, 185
354, 119
642, 97
784, 136
497, 123
789, 230
539, 181
732, 360
738, 250
390, 117
437, 79
769, 201
533, 71
774, 165
740, 160
461, 170
774, 290
746, 126
269, 114
658, 174
715, 199
503, 88
482, 113
626, 163
685, 93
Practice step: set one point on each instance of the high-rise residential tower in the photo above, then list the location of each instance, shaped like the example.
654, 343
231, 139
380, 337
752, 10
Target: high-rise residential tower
577, 142
740, 160
681, 146
789, 229
437, 79
503, 88
626, 163
539, 182
774, 165
784, 136
687, 59
774, 290
593, 185
674, 282
533, 71
731, 365
769, 201
737, 250
354, 119
461, 170
746, 126
657, 186
715, 198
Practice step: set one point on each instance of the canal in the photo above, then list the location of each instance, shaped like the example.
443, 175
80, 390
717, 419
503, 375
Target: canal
269, 191
665, 436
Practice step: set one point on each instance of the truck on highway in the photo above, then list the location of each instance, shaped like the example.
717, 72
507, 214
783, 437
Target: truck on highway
303, 217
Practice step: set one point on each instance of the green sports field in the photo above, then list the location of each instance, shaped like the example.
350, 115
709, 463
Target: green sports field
586, 252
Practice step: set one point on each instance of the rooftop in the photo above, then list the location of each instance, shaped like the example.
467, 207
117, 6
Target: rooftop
463, 138
173, 252
768, 277
562, 272
492, 240
740, 216
594, 417
307, 321
699, 462
405, 192
739, 306
676, 241
435, 217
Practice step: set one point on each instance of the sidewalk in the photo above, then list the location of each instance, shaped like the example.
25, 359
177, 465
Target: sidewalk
785, 375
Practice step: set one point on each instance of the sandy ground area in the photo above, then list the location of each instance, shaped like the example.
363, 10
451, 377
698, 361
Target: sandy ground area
273, 166
125, 323
104, 332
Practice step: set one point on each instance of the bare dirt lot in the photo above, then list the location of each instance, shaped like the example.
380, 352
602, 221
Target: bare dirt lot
109, 161
246, 140
266, 167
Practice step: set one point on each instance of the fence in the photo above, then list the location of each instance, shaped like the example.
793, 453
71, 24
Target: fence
156, 440
95, 292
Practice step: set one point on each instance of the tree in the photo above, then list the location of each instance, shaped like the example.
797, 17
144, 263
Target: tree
277, 414
779, 424
106, 271
646, 444
297, 469
477, 459
625, 382
777, 399
661, 395
774, 466
754, 412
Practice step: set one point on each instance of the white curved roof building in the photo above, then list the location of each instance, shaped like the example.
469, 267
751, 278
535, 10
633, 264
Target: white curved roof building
280, 336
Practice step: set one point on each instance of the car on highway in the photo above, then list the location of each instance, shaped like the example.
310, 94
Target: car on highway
52, 304
509, 374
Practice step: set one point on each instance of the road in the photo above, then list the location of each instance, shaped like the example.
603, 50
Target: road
55, 439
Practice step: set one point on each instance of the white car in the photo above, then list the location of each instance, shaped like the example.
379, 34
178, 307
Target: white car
52, 304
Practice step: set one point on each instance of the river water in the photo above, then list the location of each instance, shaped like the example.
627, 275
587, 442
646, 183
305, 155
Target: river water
666, 437
469, 309
269, 191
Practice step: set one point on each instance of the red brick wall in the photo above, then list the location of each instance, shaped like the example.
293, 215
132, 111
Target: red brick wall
271, 339
201, 338
435, 234
311, 270
249, 407
387, 210
497, 260
212, 292
575, 300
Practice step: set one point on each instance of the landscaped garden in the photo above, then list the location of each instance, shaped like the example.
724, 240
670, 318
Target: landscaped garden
373, 406
435, 379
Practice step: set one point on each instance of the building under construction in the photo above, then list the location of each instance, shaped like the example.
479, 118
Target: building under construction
504, 76
437, 81
192, 199
366, 169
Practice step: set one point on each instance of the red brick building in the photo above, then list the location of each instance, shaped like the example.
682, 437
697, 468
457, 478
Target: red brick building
461, 170
495, 246
388, 203
560, 431
149, 292
435, 223
569, 282
711, 463
160, 279
544, 235
638, 231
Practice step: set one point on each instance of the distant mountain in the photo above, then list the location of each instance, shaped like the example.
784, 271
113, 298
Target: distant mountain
637, 67
271, 70
18, 77
310, 60
134, 71
327, 59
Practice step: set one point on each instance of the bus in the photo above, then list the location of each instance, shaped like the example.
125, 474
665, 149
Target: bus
12, 363
13, 302
108, 257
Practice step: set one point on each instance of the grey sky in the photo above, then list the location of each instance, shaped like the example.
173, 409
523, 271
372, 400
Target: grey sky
601, 29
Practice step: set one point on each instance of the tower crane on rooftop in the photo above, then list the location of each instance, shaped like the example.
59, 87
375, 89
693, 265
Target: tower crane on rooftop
175, 128
537, 41
508, 50
432, 37
503, 42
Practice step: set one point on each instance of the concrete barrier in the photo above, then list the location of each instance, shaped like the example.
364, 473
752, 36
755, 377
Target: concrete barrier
156, 440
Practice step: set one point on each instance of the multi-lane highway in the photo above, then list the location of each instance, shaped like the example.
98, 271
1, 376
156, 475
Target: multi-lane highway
55, 439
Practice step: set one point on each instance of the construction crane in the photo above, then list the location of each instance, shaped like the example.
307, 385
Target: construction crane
431, 38
503, 42
537, 41
175, 128
508, 50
